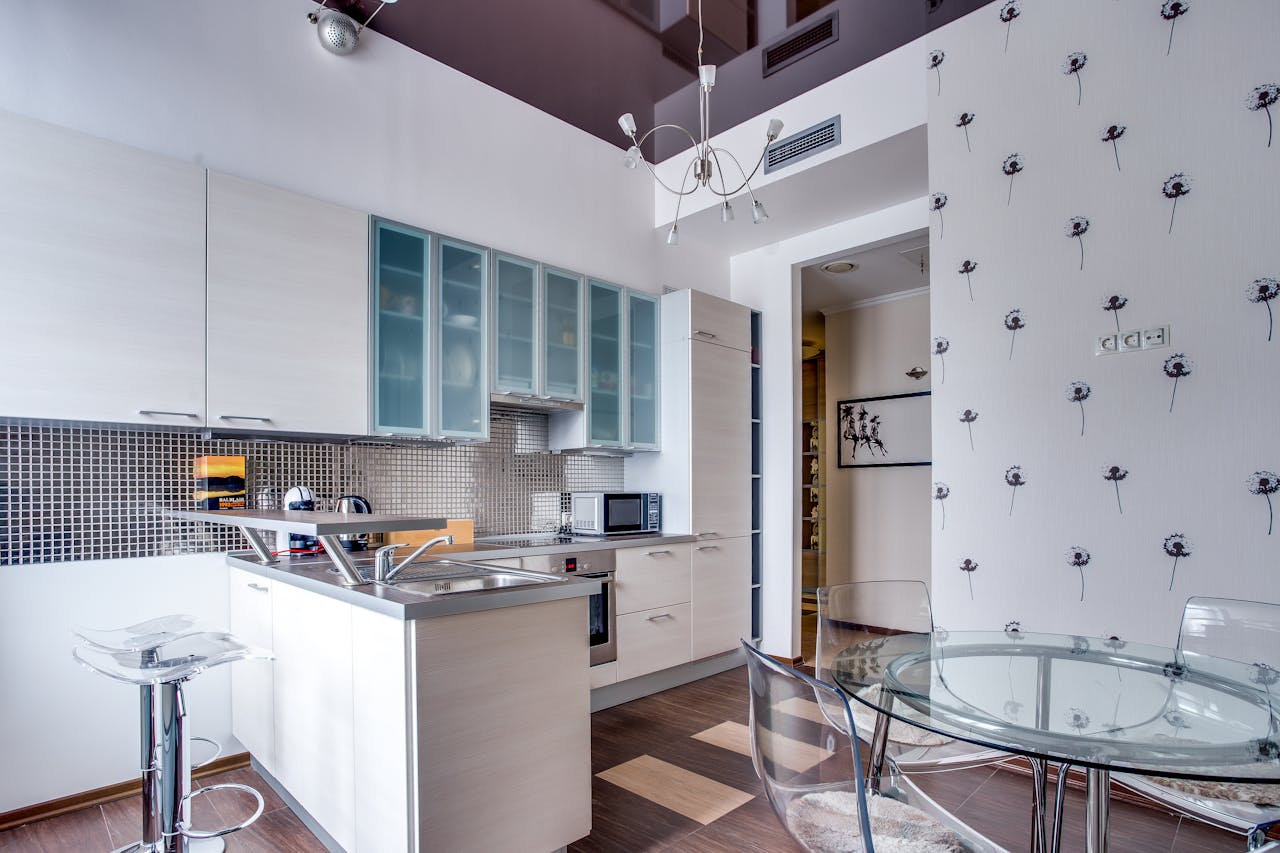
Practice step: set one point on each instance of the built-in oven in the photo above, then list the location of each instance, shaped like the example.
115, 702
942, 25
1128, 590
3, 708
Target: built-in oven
615, 513
602, 613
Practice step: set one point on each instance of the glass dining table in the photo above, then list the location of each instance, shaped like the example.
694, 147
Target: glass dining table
1101, 705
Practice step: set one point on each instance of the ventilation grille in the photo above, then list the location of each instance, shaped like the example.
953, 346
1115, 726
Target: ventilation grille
795, 47
804, 144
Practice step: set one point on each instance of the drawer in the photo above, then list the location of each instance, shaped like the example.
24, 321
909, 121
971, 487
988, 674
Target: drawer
652, 577
719, 321
652, 640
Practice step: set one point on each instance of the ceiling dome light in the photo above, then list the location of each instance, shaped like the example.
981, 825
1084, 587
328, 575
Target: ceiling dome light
839, 267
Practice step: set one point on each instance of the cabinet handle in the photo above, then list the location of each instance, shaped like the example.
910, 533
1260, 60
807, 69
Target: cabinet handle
168, 414
709, 533
244, 418
257, 587
704, 333
656, 553
708, 547
655, 617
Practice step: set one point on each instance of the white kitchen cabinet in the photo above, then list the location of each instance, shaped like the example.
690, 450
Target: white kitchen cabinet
720, 441
651, 640
720, 595
253, 682
314, 707
719, 321
287, 315
102, 274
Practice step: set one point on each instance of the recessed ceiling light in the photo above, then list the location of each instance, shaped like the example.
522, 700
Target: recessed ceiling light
839, 266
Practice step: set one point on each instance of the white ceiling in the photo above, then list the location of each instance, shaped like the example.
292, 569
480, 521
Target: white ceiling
884, 269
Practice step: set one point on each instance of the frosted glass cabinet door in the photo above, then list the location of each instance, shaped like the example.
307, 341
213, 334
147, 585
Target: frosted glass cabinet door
642, 382
515, 313
562, 335
604, 406
401, 308
463, 406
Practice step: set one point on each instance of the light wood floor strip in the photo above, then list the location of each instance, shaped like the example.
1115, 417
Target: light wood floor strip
792, 754
805, 708
687, 793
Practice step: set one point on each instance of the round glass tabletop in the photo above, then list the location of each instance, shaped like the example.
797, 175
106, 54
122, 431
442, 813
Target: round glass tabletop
1085, 701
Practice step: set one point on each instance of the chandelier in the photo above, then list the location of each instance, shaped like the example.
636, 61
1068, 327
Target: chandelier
705, 168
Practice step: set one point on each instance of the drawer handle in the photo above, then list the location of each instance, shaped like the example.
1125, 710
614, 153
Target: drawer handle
657, 553
245, 418
709, 533
168, 414
708, 547
657, 616
258, 587
705, 334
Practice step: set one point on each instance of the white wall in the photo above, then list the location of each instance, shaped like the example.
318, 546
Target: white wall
768, 280
877, 518
245, 88
1185, 111
63, 728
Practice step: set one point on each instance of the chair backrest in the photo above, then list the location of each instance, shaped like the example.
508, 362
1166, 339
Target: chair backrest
797, 754
1235, 629
850, 612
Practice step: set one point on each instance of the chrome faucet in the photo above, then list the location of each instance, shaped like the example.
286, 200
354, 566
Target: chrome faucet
384, 565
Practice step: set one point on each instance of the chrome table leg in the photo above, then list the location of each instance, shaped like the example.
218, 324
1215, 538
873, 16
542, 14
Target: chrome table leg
1039, 831
1097, 810
1059, 801
879, 748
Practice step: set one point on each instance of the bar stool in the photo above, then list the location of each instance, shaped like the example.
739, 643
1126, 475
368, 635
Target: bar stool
159, 656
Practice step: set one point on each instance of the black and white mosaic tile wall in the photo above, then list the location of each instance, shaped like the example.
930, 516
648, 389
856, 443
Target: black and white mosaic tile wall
1102, 166
72, 493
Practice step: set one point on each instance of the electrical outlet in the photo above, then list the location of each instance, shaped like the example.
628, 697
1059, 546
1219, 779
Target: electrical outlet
1156, 336
1130, 341
1106, 345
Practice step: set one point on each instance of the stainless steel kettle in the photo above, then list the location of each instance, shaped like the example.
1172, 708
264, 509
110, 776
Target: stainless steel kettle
353, 504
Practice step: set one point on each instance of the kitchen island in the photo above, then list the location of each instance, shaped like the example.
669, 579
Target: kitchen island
392, 720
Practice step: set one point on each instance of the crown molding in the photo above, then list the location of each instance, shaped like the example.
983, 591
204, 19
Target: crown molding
875, 300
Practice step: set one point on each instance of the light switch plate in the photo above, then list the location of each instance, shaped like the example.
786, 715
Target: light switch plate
1106, 345
1130, 340
1155, 336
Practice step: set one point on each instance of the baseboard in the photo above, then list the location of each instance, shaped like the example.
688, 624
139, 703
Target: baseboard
787, 661
655, 682
98, 796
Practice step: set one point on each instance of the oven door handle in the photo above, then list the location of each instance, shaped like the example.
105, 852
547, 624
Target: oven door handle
604, 579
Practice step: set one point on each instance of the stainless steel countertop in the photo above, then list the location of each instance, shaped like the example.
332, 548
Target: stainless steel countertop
313, 572
310, 522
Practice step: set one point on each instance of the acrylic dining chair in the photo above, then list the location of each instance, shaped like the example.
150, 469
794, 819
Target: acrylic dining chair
866, 611
1247, 632
813, 777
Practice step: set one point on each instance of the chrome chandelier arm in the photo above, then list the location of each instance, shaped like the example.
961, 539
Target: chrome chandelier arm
680, 192
651, 131
746, 179
680, 195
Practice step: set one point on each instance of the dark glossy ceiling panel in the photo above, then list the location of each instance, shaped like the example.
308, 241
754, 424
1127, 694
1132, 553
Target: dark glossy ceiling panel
588, 61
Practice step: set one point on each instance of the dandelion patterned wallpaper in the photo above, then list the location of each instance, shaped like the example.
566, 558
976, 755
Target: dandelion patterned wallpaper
1112, 167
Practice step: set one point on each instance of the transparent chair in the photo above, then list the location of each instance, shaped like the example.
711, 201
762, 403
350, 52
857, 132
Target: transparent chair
1247, 632
813, 777
850, 613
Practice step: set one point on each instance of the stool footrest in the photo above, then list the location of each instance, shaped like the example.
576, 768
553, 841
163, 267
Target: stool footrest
186, 830
217, 751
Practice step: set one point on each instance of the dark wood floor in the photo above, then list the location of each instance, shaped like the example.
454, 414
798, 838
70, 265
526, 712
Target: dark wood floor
993, 801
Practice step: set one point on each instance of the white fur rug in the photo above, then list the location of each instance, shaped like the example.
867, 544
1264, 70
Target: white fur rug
1242, 792
828, 823
899, 732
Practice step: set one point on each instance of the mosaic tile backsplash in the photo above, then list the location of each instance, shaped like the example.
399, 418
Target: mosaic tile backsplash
85, 493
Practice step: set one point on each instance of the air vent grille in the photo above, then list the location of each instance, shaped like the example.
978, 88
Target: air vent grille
804, 144
795, 47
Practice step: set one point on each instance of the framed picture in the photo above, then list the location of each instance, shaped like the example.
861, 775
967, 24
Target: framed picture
883, 432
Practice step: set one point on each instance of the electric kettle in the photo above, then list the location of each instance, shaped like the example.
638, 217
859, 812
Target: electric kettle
359, 506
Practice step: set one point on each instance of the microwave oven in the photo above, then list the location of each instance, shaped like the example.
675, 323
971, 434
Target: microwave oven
615, 513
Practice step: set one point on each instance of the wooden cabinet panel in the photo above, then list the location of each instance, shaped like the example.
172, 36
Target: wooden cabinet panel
720, 595
287, 311
652, 640
651, 577
383, 720
252, 682
720, 440
102, 263
314, 698
719, 321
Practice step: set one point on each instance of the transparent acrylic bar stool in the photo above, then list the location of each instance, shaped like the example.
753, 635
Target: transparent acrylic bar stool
159, 656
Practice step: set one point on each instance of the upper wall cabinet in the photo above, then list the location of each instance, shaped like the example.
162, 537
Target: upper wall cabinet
605, 304
642, 371
287, 312
562, 335
537, 331
102, 274
430, 334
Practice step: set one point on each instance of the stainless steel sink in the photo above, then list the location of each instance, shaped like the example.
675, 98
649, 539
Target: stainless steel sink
446, 577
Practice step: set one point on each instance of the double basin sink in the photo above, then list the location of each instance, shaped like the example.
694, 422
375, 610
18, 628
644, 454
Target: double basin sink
448, 577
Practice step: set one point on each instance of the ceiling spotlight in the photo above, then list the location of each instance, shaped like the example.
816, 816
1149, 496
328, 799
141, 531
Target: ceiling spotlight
726, 211
337, 32
758, 213
839, 267
673, 236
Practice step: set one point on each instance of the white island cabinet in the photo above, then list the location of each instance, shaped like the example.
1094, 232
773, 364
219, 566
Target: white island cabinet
462, 732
